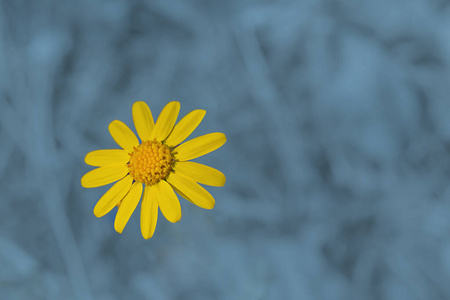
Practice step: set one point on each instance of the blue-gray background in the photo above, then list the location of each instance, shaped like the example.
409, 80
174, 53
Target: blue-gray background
338, 156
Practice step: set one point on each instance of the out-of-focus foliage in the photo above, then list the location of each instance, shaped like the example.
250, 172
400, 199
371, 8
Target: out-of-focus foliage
338, 122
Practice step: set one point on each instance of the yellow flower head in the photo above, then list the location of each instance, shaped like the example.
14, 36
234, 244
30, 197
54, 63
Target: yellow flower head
156, 167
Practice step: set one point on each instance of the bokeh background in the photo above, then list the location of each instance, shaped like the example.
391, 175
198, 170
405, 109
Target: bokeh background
337, 115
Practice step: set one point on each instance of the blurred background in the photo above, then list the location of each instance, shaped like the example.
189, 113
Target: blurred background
337, 115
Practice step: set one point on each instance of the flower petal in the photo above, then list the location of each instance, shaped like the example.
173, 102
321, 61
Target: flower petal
123, 135
168, 202
143, 120
113, 196
192, 191
166, 120
200, 146
104, 175
200, 173
99, 158
128, 206
185, 127
149, 212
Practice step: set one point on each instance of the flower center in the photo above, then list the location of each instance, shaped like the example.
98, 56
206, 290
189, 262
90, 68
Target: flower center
150, 162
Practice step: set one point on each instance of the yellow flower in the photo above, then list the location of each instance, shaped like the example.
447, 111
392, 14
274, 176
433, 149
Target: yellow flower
156, 167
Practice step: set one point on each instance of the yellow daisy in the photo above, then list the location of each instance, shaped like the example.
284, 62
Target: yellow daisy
155, 167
